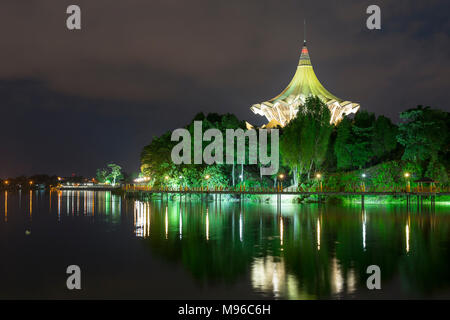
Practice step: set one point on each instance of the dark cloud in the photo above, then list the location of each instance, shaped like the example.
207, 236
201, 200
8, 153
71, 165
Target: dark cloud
71, 100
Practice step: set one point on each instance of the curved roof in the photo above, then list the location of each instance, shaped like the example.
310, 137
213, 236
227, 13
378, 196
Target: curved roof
304, 82
284, 107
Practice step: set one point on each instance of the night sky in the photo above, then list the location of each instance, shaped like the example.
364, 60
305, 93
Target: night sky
71, 101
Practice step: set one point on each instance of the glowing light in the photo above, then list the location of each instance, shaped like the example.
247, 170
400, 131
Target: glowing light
363, 175
6, 182
318, 234
240, 227
281, 231
207, 176
181, 226
318, 176
337, 283
207, 225
281, 176
59, 204
166, 177
31, 182
166, 220
6, 206
141, 179
364, 218
407, 234
31, 204
407, 174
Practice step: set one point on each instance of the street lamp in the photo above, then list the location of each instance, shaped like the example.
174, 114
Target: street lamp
363, 182
408, 186
319, 176
207, 178
166, 178
280, 178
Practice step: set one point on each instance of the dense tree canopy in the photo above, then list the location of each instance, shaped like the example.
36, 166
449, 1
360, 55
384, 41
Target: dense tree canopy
156, 160
309, 144
305, 139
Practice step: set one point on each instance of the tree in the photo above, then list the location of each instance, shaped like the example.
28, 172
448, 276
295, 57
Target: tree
156, 161
290, 142
423, 132
342, 147
305, 138
102, 175
115, 173
111, 174
353, 147
384, 137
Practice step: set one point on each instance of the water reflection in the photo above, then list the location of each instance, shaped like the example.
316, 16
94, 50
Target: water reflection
302, 252
6, 206
305, 252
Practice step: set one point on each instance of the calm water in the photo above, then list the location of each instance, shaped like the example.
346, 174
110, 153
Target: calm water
131, 249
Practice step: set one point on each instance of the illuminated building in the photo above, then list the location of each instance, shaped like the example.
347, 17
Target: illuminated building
284, 107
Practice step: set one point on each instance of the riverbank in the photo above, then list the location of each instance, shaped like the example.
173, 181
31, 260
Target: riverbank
337, 198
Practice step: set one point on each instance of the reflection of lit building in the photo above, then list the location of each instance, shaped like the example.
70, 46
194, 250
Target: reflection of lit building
284, 107
269, 276
338, 281
142, 219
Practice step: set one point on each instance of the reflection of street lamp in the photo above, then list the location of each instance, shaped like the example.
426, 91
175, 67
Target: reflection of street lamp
408, 187
319, 176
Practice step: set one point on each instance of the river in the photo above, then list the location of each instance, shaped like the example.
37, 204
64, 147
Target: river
188, 250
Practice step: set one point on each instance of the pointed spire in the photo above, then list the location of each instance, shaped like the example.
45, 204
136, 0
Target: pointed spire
304, 32
304, 56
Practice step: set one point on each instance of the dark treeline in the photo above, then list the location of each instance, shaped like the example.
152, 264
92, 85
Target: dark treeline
309, 144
